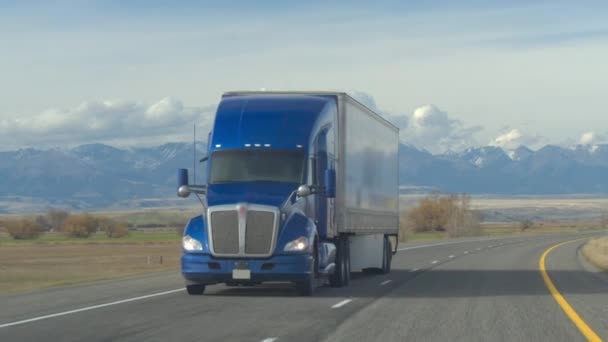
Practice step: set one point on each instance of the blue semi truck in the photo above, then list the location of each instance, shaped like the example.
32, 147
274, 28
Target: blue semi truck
299, 187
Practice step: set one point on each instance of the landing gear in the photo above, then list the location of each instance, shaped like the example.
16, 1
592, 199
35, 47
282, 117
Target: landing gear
341, 276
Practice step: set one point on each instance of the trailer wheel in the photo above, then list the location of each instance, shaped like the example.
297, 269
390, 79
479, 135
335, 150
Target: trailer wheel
387, 257
307, 287
196, 289
338, 279
346, 261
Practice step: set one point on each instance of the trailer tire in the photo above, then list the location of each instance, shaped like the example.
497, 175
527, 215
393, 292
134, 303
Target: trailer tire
346, 261
196, 289
338, 278
387, 256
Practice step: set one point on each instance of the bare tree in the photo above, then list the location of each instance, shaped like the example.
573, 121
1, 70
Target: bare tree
56, 219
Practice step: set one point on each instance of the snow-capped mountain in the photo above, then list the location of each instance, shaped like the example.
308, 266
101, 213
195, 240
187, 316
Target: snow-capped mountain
99, 176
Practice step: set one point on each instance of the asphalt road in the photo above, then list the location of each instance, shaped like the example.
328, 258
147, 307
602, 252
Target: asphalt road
466, 290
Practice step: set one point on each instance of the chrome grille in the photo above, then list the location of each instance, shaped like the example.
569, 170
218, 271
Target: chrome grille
259, 231
242, 230
225, 232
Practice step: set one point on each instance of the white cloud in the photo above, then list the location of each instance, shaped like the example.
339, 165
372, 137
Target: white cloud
135, 123
433, 129
592, 138
513, 139
428, 127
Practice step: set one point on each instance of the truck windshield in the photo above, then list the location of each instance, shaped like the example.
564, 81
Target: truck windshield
233, 166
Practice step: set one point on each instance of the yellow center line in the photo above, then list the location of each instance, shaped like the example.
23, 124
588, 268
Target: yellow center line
570, 312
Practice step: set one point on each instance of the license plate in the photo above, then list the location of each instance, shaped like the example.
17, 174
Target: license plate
241, 274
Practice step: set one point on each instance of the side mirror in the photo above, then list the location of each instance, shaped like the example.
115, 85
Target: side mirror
330, 183
182, 183
303, 191
183, 191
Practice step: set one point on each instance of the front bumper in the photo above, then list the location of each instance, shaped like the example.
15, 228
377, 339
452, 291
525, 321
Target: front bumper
206, 269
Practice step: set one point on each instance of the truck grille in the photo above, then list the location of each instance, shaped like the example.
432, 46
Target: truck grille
253, 234
225, 226
258, 235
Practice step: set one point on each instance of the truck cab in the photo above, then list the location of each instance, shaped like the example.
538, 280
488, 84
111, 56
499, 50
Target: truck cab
269, 196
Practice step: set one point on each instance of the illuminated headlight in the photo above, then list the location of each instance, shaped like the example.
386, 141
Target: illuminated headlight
297, 245
191, 244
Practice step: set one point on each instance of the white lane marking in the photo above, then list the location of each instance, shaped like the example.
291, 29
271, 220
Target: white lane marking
89, 308
341, 304
490, 246
434, 262
478, 248
451, 256
270, 339
466, 252
385, 282
414, 270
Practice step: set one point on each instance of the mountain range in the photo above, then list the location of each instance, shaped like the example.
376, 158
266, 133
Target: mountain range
96, 176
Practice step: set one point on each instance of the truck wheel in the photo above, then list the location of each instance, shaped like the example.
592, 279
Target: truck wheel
387, 256
307, 287
196, 289
346, 262
337, 279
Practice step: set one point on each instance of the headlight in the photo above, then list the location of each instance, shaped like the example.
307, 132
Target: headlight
191, 244
297, 245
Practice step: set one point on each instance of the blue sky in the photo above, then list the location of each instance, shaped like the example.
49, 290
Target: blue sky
468, 73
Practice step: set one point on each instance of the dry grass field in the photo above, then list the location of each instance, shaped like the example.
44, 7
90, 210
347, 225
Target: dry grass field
512, 229
55, 260
31, 266
571, 208
596, 251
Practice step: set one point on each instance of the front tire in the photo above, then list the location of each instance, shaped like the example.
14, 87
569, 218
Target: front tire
196, 289
307, 287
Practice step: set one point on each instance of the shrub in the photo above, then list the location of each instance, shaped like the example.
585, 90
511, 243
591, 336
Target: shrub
180, 229
403, 226
462, 220
80, 226
43, 222
604, 220
443, 213
23, 229
114, 229
526, 224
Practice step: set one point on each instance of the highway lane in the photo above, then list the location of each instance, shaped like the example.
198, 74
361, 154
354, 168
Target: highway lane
484, 289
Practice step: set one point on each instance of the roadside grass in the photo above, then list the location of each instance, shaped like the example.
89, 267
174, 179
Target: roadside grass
33, 266
513, 229
596, 252
157, 217
54, 259
56, 238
